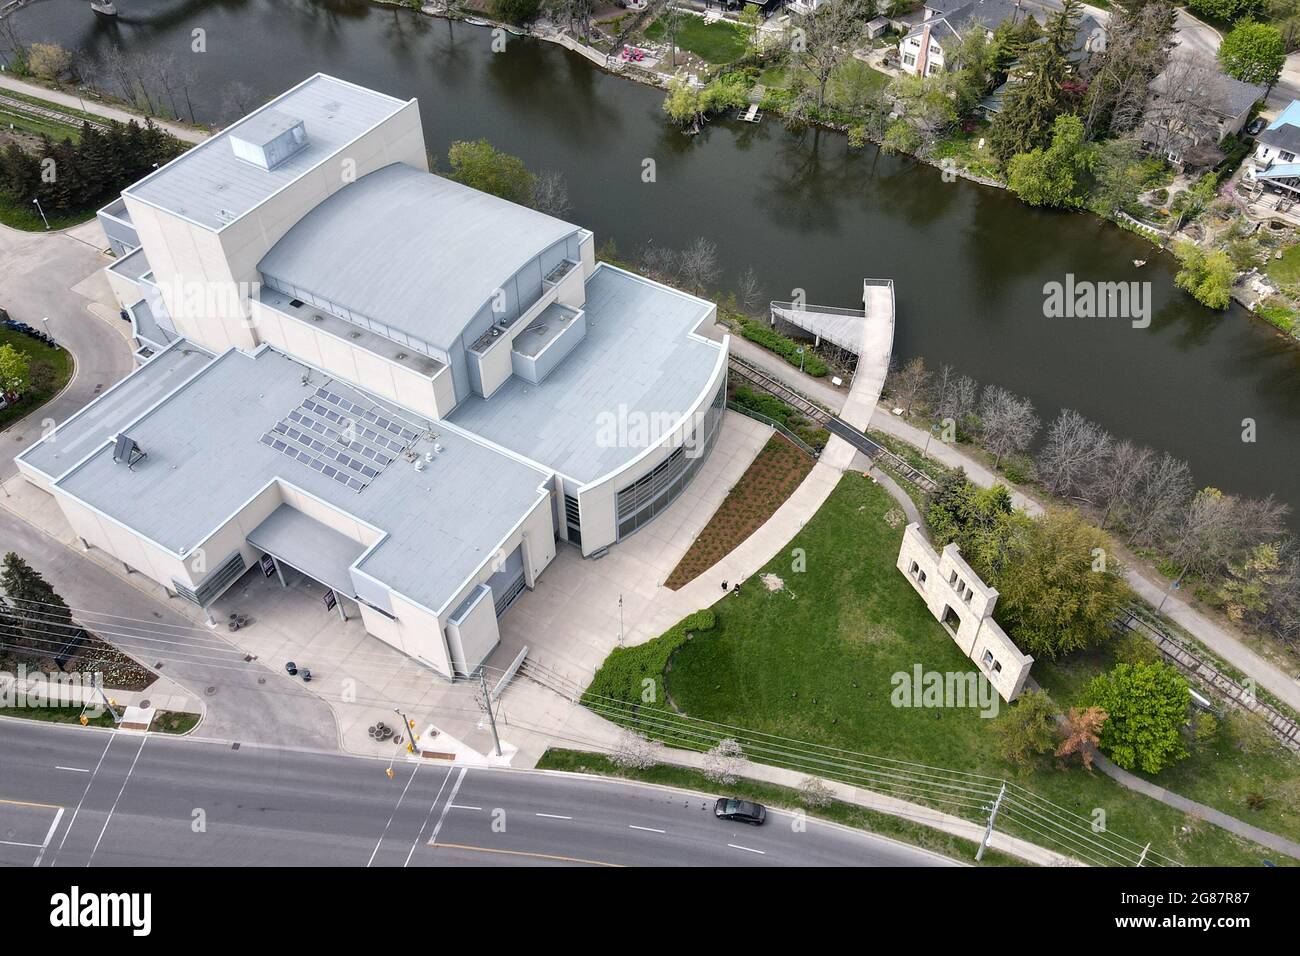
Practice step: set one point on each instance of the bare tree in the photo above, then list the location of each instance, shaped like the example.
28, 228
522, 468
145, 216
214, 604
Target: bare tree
1007, 421
1177, 114
672, 21
660, 262
1151, 505
723, 763
1137, 50
750, 290
551, 194
577, 13
909, 382
823, 38
1128, 462
960, 402
11, 42
239, 99
635, 751
1073, 454
1204, 538
698, 264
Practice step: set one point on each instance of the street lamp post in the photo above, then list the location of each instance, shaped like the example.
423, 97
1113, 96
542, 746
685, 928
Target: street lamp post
37, 203
933, 429
800, 351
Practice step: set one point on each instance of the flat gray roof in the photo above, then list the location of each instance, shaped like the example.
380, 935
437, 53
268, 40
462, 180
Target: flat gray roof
211, 186
308, 545
206, 460
417, 252
637, 362
102, 419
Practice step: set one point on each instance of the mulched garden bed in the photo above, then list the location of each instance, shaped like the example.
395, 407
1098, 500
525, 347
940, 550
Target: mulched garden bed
770, 479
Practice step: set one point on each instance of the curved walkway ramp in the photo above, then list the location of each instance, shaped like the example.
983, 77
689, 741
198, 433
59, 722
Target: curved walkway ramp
869, 334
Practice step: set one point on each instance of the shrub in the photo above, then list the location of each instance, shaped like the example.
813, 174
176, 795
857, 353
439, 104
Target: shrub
772, 340
1146, 707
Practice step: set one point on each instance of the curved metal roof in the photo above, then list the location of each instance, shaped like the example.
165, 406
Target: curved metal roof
417, 252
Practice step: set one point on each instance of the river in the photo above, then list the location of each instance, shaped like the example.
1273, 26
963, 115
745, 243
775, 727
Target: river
969, 262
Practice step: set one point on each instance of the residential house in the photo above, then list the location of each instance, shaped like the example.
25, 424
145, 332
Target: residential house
1193, 108
1276, 160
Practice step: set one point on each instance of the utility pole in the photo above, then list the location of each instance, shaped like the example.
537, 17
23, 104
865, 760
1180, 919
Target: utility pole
993, 816
410, 731
486, 702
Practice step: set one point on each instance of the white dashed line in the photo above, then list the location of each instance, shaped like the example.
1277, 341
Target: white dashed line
74, 769
552, 816
457, 806
747, 849
633, 826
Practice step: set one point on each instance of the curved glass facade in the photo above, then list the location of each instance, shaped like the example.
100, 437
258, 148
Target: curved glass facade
654, 491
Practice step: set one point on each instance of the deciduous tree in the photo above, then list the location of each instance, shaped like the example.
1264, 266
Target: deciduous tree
1253, 53
1007, 422
1146, 708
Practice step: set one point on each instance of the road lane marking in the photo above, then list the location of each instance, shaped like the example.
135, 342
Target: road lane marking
28, 803
552, 816
460, 806
74, 769
396, 807
633, 826
34, 846
113, 809
48, 837
536, 856
455, 789
89, 783
747, 849
425, 822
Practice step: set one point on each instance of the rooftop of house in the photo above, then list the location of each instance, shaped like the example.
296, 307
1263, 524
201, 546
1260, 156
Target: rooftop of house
638, 363
416, 252
248, 420
212, 185
954, 18
1215, 91
1284, 132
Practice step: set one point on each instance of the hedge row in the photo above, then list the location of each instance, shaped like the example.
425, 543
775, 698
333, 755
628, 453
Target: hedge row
773, 341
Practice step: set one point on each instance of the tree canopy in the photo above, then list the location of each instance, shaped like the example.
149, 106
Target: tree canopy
1146, 708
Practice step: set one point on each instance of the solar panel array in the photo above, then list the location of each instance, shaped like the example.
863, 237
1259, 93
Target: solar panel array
329, 434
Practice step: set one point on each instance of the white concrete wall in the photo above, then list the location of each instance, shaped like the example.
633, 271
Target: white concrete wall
231, 535
598, 500
102, 532
947, 582
472, 638
430, 397
183, 254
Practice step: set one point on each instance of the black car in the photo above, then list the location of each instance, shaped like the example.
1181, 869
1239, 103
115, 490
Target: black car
741, 811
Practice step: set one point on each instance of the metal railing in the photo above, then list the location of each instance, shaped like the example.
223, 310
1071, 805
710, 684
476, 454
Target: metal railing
785, 432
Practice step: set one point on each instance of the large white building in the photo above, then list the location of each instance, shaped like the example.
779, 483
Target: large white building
408, 390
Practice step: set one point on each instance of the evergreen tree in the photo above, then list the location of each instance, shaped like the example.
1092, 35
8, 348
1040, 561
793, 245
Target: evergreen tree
36, 613
1033, 103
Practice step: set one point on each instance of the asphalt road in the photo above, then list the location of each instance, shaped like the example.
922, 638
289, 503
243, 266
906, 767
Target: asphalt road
53, 276
76, 797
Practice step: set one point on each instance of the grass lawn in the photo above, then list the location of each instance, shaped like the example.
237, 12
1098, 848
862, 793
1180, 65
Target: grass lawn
38, 125
851, 80
848, 814
173, 722
58, 715
25, 217
764, 487
718, 42
962, 149
1285, 271
815, 660
50, 371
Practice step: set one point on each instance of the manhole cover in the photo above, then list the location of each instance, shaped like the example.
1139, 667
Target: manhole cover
210, 691
261, 680
144, 704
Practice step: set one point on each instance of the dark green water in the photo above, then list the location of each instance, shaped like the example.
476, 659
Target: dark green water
969, 262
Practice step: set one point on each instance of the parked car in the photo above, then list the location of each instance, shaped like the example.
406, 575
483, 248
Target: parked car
1255, 126
740, 811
